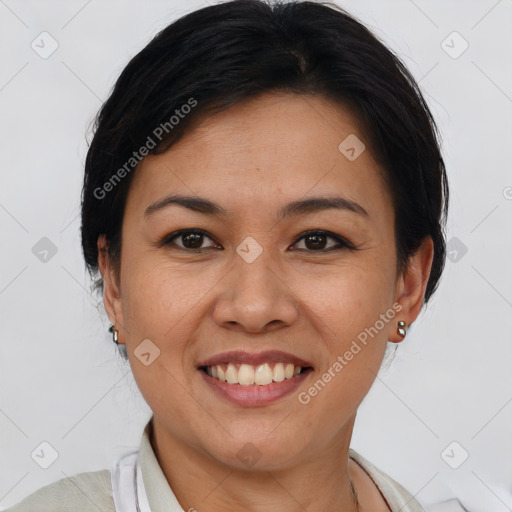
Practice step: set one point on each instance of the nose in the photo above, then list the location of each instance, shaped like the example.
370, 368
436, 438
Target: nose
255, 297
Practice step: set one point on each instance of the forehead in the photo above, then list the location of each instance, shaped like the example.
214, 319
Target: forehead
274, 144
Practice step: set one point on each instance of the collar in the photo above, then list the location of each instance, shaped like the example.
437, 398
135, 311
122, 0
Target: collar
159, 493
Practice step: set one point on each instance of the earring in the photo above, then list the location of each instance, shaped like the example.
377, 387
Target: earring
115, 334
401, 329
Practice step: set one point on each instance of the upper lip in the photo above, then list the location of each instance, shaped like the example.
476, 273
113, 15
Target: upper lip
242, 357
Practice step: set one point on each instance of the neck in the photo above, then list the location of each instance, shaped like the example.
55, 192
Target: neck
314, 482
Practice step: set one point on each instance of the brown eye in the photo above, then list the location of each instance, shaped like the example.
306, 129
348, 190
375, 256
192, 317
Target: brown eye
317, 240
192, 239
314, 241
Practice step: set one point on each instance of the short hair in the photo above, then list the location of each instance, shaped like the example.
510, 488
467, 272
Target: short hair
217, 56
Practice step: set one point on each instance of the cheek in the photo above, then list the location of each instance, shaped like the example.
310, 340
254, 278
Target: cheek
158, 304
349, 296
163, 301
161, 298
352, 309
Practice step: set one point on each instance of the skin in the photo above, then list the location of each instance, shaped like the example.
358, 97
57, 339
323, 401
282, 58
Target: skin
252, 159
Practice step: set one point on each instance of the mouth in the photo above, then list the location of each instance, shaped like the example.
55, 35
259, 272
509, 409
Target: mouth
245, 368
247, 374
254, 379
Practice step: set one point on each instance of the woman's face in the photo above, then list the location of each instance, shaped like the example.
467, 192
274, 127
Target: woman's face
254, 283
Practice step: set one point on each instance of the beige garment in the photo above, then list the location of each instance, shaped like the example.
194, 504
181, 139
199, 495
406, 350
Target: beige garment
92, 491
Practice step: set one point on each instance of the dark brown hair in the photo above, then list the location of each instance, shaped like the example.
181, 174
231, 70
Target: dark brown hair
217, 56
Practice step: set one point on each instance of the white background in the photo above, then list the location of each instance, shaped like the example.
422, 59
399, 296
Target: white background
61, 380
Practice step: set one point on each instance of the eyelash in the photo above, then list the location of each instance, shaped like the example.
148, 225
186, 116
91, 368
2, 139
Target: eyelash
343, 243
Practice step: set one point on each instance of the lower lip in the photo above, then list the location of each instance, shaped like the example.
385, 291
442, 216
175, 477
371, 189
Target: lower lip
255, 395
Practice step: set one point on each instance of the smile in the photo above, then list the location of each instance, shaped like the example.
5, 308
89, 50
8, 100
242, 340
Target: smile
247, 374
254, 379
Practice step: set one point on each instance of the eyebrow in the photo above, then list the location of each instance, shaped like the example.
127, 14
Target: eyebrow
300, 207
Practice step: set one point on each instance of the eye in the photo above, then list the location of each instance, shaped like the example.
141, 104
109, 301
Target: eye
316, 241
191, 239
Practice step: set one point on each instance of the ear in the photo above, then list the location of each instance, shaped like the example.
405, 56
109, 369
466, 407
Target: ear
111, 289
410, 287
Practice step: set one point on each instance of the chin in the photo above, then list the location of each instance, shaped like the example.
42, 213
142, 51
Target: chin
259, 452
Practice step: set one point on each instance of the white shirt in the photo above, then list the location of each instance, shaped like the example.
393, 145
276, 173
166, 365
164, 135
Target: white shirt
137, 484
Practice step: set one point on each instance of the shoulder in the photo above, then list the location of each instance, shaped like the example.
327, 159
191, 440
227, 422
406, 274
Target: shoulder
398, 498
84, 492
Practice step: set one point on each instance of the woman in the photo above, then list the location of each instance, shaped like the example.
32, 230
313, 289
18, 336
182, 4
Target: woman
265, 200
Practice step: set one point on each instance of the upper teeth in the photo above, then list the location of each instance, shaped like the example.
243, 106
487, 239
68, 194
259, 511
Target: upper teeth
246, 374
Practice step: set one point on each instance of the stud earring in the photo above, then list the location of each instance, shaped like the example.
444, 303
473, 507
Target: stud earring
401, 329
115, 334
